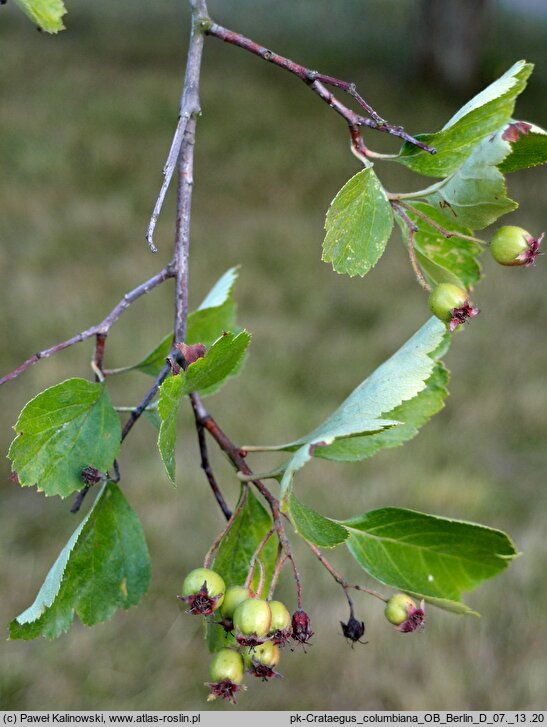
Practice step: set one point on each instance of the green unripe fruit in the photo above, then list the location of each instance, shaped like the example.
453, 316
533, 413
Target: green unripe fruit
281, 618
397, 608
227, 665
267, 654
510, 245
195, 580
253, 616
445, 298
232, 598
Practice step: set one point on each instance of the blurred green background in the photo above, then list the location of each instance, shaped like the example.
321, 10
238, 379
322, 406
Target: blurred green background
86, 120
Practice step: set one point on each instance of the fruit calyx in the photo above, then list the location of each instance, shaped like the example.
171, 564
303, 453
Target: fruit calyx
201, 603
301, 627
450, 304
404, 614
224, 689
353, 630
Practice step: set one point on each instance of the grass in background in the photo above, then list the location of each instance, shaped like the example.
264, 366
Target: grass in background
86, 122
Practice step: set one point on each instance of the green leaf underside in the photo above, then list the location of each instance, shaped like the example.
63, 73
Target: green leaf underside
62, 430
483, 115
476, 195
529, 150
444, 260
47, 14
425, 555
216, 314
103, 567
358, 224
210, 371
235, 552
315, 528
412, 414
397, 380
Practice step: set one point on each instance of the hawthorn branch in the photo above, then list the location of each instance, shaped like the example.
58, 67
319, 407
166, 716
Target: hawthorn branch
237, 457
139, 410
412, 229
239, 507
435, 225
340, 579
206, 467
101, 329
318, 83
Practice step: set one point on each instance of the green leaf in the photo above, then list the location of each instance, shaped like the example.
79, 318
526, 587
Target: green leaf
153, 417
427, 556
236, 550
315, 528
103, 567
212, 370
443, 260
528, 147
359, 223
216, 314
476, 195
412, 414
171, 392
62, 430
397, 380
46, 14
483, 115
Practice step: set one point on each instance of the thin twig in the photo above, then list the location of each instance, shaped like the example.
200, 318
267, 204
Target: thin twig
339, 578
412, 228
235, 455
256, 557
101, 328
206, 467
168, 170
189, 109
79, 499
279, 563
318, 82
141, 408
443, 231
214, 547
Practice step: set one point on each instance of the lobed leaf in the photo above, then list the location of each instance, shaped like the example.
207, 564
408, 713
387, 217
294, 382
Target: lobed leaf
412, 415
528, 147
104, 566
359, 223
476, 195
235, 552
224, 356
315, 528
62, 430
443, 260
47, 14
397, 380
482, 115
427, 556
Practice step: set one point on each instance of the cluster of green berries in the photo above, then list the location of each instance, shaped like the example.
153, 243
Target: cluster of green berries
509, 246
255, 630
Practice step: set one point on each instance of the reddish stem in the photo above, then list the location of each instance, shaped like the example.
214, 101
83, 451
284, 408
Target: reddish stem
318, 82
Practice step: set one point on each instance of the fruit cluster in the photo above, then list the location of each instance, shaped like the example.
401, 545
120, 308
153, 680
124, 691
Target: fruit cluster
511, 246
255, 630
